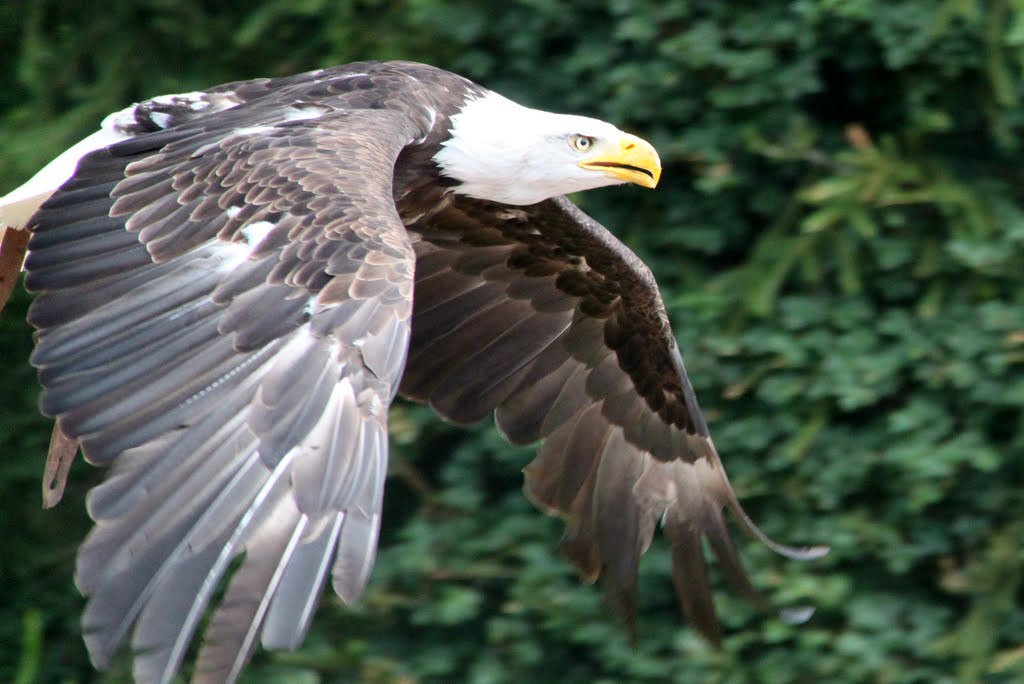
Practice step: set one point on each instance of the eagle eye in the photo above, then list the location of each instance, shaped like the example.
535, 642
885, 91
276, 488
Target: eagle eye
581, 143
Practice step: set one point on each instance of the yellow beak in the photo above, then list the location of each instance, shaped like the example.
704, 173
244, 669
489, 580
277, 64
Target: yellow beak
632, 160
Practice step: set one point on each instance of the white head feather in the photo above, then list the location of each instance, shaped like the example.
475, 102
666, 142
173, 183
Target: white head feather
504, 152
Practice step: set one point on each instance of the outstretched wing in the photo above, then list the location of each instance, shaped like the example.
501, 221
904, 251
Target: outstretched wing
541, 316
223, 311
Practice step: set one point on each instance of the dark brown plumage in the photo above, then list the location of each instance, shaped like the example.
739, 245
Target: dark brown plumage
229, 300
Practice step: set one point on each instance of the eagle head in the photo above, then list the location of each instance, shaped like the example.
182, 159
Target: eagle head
501, 151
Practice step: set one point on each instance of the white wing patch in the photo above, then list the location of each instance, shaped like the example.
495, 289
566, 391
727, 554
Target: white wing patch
161, 119
230, 255
254, 233
308, 111
195, 101
252, 130
17, 207
432, 113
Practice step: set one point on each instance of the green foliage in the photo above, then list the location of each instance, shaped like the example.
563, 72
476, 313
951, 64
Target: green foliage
839, 236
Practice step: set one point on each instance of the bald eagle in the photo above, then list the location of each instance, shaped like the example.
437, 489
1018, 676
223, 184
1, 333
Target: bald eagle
232, 286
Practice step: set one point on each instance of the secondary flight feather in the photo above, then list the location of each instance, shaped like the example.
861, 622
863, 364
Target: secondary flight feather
233, 285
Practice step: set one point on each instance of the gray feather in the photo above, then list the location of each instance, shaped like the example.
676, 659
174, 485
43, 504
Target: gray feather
167, 622
356, 553
234, 628
300, 586
207, 379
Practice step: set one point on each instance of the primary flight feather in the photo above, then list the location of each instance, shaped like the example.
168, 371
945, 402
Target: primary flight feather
233, 285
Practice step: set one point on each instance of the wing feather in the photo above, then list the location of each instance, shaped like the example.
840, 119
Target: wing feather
584, 359
223, 312
176, 597
459, 394
521, 416
622, 528
226, 648
295, 598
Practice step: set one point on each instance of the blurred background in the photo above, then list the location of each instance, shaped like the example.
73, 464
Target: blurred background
839, 237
